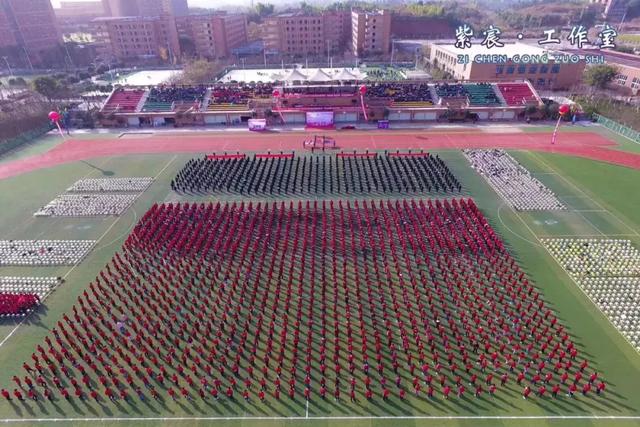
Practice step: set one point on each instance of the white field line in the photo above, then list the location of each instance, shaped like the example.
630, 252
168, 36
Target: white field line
573, 280
581, 236
591, 224
329, 418
78, 263
541, 160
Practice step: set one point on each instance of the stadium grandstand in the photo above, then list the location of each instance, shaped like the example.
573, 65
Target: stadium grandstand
237, 103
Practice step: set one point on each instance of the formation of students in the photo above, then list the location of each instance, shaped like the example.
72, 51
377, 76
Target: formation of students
314, 300
317, 175
608, 271
512, 181
44, 252
87, 205
99, 185
17, 304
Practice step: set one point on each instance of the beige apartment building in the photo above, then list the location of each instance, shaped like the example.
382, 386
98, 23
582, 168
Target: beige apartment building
545, 69
138, 37
214, 35
304, 34
371, 32
30, 27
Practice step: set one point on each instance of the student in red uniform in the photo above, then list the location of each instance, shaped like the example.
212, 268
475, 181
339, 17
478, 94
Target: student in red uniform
555, 390
526, 392
446, 391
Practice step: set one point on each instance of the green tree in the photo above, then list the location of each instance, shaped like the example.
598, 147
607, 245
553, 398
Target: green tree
264, 9
46, 86
199, 72
599, 76
187, 46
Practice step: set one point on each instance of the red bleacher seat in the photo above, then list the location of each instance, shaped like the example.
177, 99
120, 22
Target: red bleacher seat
124, 100
516, 93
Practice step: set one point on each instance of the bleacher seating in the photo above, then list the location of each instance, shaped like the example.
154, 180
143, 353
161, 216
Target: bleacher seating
516, 94
482, 94
230, 98
402, 94
163, 98
124, 101
446, 90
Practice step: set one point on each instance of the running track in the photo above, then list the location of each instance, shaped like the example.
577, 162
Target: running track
588, 145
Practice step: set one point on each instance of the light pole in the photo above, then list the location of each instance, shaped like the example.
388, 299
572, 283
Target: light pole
328, 47
6, 60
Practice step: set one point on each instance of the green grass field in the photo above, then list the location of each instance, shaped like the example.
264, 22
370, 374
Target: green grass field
602, 199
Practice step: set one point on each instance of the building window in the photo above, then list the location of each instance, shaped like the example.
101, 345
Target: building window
540, 82
499, 69
544, 69
522, 69
555, 68
510, 69
533, 69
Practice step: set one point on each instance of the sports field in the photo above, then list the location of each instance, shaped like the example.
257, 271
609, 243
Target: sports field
601, 199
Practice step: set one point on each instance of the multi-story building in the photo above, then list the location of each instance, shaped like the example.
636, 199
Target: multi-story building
371, 32
307, 34
29, 27
337, 29
295, 34
138, 37
214, 35
628, 66
513, 61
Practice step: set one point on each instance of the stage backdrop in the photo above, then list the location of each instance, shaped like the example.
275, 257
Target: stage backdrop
257, 124
320, 119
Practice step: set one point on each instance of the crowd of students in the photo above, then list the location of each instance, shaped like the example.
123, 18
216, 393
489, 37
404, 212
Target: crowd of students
334, 174
241, 93
308, 300
78, 205
170, 94
401, 92
43, 252
512, 181
100, 185
17, 304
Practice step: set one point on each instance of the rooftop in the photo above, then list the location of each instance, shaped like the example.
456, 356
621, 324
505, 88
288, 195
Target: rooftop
612, 57
509, 49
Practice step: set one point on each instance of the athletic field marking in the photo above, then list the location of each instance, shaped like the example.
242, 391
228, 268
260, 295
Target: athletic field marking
503, 204
575, 282
588, 210
541, 160
591, 300
581, 236
306, 413
332, 418
92, 171
78, 263
591, 224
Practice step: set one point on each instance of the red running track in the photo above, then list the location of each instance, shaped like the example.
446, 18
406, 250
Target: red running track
587, 145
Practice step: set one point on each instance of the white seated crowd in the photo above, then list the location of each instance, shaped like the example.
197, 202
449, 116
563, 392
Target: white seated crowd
512, 181
608, 271
44, 252
87, 205
40, 286
97, 185
619, 300
584, 258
